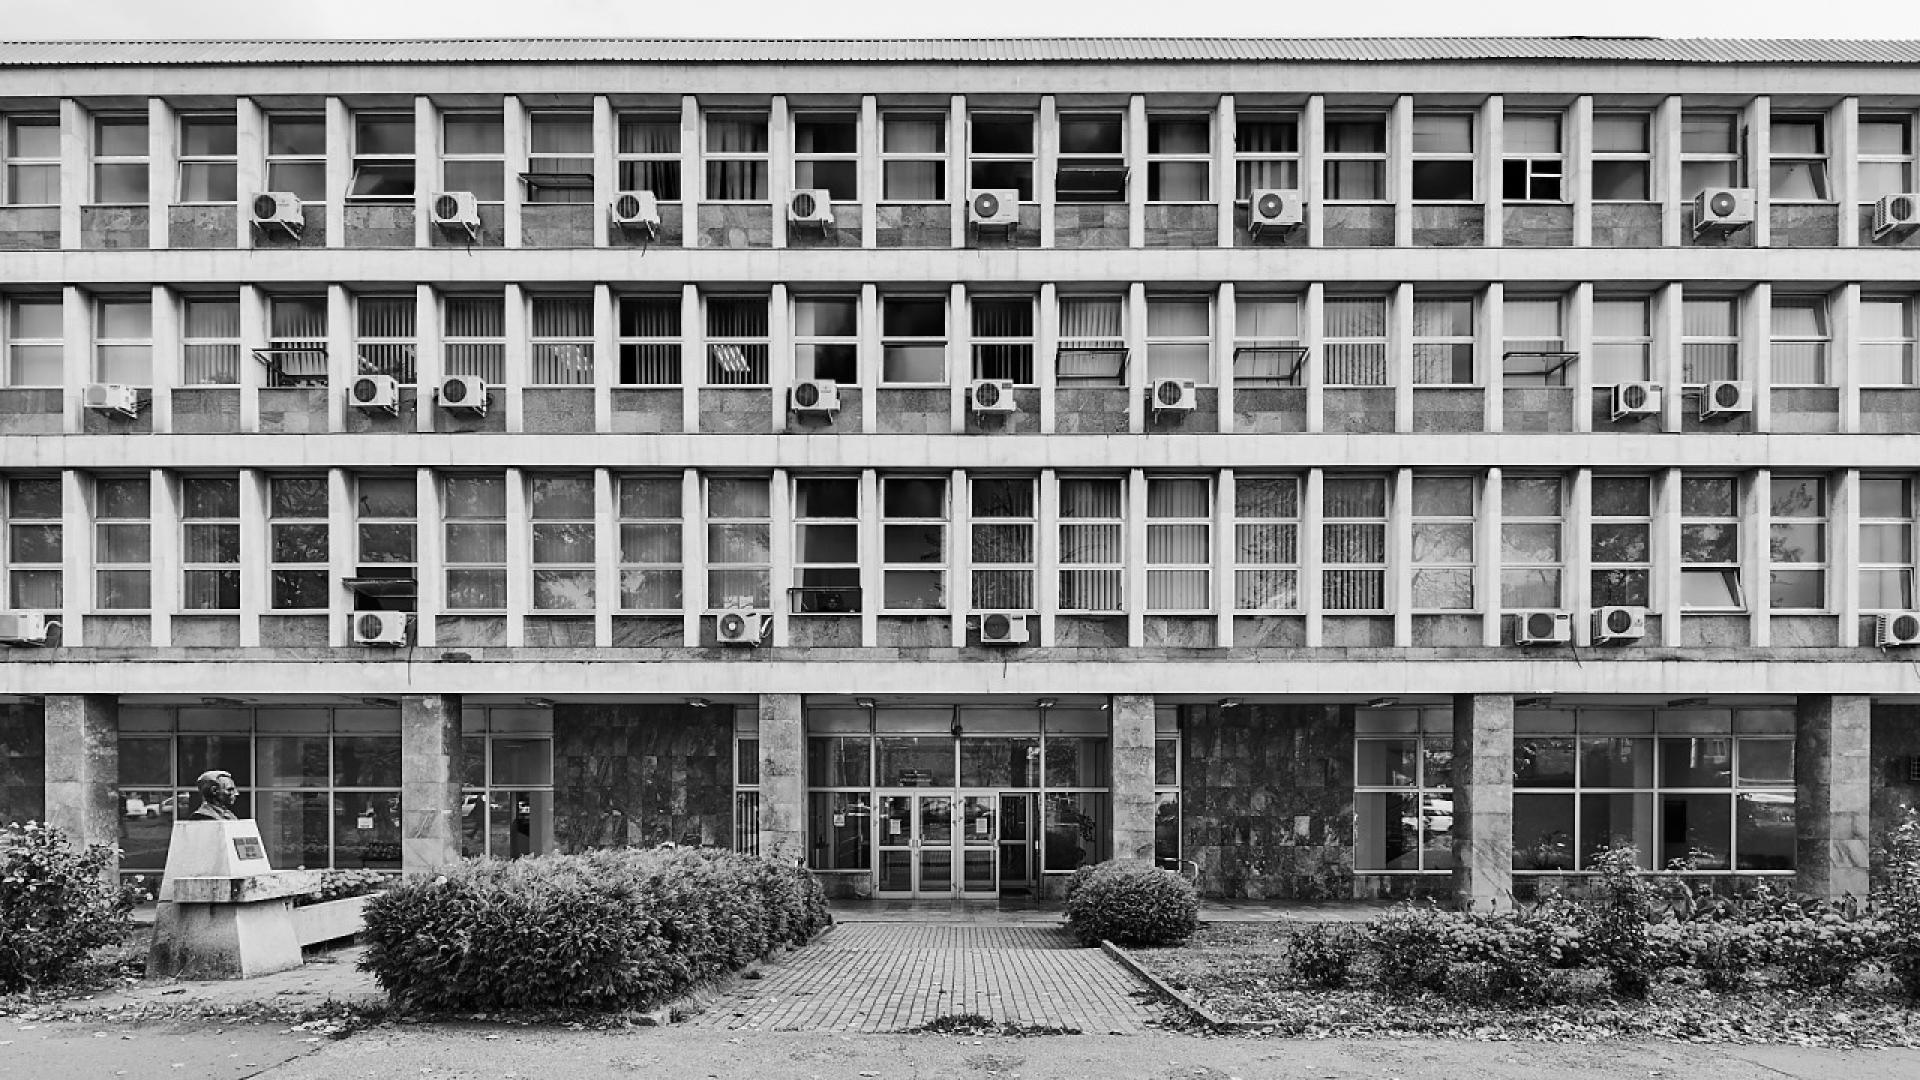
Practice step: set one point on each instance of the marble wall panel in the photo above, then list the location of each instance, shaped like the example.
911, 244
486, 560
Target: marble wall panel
113, 227
1537, 408
1626, 224
1449, 225
1090, 225
1537, 225
206, 409
1890, 411
649, 411
843, 233
32, 411
1182, 225
1449, 408
557, 409
913, 225
386, 225
1363, 225
24, 228
729, 225
214, 226
1267, 800
636, 775
1795, 225
559, 225
1090, 410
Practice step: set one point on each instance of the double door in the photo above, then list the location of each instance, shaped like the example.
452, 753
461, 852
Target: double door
940, 844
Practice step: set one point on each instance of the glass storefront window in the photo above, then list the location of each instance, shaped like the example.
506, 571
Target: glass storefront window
916, 761
1077, 829
999, 763
1076, 761
366, 830
839, 761
840, 827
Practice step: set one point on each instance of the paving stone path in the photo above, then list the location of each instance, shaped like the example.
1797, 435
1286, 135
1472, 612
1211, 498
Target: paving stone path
881, 977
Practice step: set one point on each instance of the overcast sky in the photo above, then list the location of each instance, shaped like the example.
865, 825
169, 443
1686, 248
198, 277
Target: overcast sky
38, 19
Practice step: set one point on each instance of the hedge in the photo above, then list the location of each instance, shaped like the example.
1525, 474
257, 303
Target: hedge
1129, 902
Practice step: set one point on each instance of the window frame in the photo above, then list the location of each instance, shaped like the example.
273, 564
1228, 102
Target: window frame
1100, 165
640, 515
1379, 159
747, 347
1009, 160
1090, 346
1375, 570
580, 571
313, 161
1161, 568
1904, 568
27, 578
1250, 163
193, 570
1429, 749
480, 355
1538, 169
1872, 161
937, 158
816, 158
753, 166
16, 342
555, 348
393, 341
496, 193
1512, 563
1159, 160
890, 341
641, 353
810, 347
809, 571
1733, 161
1180, 343
306, 346
284, 571
1102, 576
1549, 354
1623, 576
18, 164
128, 164
1453, 157
1274, 535
201, 353
375, 165
1344, 355
999, 356
1641, 340
1250, 345
1006, 570
1448, 345
1694, 346
395, 526
1643, 159
762, 600
1817, 162
940, 566
1906, 343
1820, 519
545, 168
1435, 567
101, 565
1732, 573
496, 571
632, 166
1818, 344
209, 163
99, 367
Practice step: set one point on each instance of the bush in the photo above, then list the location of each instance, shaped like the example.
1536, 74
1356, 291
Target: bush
346, 884
1322, 956
603, 930
1898, 903
55, 905
1132, 903
1617, 936
1475, 957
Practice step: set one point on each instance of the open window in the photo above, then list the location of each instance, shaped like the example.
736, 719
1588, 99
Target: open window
1093, 163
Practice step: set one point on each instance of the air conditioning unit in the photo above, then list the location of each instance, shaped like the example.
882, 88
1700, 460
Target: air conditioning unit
1274, 208
1721, 400
23, 628
993, 208
1003, 628
816, 397
1171, 395
811, 206
379, 628
464, 393
1722, 208
991, 396
636, 210
1897, 629
1542, 627
457, 210
740, 627
375, 392
1895, 214
111, 397
280, 208
1619, 623
1633, 400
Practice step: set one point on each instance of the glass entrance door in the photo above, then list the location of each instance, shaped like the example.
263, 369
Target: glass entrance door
1019, 844
979, 846
933, 845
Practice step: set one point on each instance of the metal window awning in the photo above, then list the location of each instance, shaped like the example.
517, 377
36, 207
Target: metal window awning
1091, 361
824, 600
574, 180
307, 361
1285, 361
1549, 363
384, 588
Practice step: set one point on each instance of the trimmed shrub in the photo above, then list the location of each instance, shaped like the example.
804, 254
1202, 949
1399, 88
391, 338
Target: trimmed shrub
1322, 956
607, 929
1474, 957
344, 885
55, 905
1133, 903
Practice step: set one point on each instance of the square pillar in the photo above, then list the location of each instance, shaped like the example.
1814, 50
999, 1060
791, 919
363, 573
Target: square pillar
83, 769
1832, 774
1483, 802
1132, 777
429, 782
783, 779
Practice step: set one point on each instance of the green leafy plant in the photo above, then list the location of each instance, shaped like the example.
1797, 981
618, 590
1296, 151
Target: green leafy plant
1617, 934
346, 884
1477, 957
1898, 902
56, 904
1321, 956
1133, 903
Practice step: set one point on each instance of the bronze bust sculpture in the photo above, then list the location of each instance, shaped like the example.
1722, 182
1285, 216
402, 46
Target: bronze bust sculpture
217, 792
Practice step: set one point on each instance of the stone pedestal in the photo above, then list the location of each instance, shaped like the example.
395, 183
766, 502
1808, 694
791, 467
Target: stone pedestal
1134, 807
83, 768
224, 913
429, 782
1832, 779
783, 778
1483, 802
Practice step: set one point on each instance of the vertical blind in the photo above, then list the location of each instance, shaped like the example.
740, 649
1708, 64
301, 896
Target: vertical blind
476, 337
562, 340
1092, 544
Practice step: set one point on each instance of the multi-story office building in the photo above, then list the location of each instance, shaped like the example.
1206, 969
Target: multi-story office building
1338, 468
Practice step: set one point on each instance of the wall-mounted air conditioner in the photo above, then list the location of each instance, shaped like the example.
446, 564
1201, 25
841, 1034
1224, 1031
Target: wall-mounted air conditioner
375, 392
1003, 628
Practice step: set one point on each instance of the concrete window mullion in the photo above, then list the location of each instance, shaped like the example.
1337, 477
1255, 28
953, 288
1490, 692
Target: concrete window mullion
76, 331
1135, 590
163, 557
779, 352
518, 357
1313, 151
256, 546
1308, 590
161, 174
867, 357
515, 128
428, 364
606, 170
253, 335
1490, 167
1843, 546
1223, 592
1137, 376
427, 179
343, 361
75, 143
1756, 517
250, 159
1843, 122
693, 356
1224, 316
1668, 366
1576, 553
1400, 355
1487, 558
1224, 123
870, 173
1490, 354
1047, 556
1135, 146
1759, 121
1400, 556
166, 356
1044, 168
606, 353
1756, 325
76, 563
341, 545
519, 558
780, 549
693, 174
959, 356
1580, 342
1045, 344
959, 554
779, 165
957, 177
1313, 337
693, 558
1844, 373
430, 541
1664, 579
1666, 172
869, 541
339, 170
1578, 169
1400, 169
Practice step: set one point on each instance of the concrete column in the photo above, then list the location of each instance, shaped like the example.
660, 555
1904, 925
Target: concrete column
1134, 589
1756, 343
1486, 559
1138, 376
340, 170
1579, 331
161, 174
342, 551
1046, 338
516, 133
693, 559
1045, 166
1842, 371
867, 369
959, 356
693, 174
1224, 125
1759, 166
1400, 354
1843, 554
1308, 588
163, 555
1135, 145
1490, 165
1832, 771
429, 782
429, 354
1756, 555
783, 779
1483, 801
428, 180
76, 180
1046, 568
1313, 147
256, 574
1843, 122
606, 353
76, 354
1490, 369
958, 177
779, 165
83, 768
1313, 331
870, 172
1577, 168
76, 555
606, 556
343, 354
164, 370
1132, 779
780, 552
518, 361
1666, 171
519, 557
870, 549
429, 542
1223, 328
693, 357
606, 168
250, 165
959, 553
1400, 169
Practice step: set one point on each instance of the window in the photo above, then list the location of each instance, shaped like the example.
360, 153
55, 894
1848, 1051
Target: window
475, 516
506, 802
1093, 344
1622, 339
35, 544
1710, 145
1403, 801
476, 337
1179, 158
1166, 790
1709, 339
210, 543
1353, 535
1621, 551
650, 340
1797, 544
385, 336
560, 161
1443, 340
297, 156
1356, 159
561, 508
1356, 340
120, 160
1000, 152
1003, 338
1180, 338
123, 342
1443, 542
649, 155
1533, 168
913, 542
1266, 543
913, 339
650, 550
1266, 341
1622, 157
1800, 339
1535, 350
35, 343
207, 153
1531, 523
739, 531
1798, 145
1885, 341
1886, 156
1093, 164
33, 161
1442, 157
1886, 543
913, 157
737, 340
382, 157
736, 156
826, 545
386, 512
1005, 524
121, 544
562, 332
210, 342
826, 338
1092, 545
297, 341
1266, 153
826, 155
1710, 544
298, 541
474, 155
1179, 545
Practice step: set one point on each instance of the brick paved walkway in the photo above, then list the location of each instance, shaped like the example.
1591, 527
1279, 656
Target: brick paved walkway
878, 977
